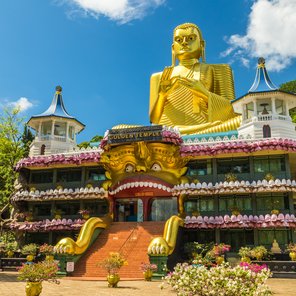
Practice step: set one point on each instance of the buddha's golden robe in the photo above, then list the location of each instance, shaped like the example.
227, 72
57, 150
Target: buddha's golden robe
184, 107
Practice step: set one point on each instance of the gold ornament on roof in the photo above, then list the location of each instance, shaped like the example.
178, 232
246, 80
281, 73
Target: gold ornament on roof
193, 95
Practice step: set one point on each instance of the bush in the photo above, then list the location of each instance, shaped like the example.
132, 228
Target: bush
148, 267
259, 252
30, 249
113, 263
39, 272
245, 252
222, 280
46, 249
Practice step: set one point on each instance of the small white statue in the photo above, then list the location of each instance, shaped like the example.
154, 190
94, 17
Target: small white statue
275, 249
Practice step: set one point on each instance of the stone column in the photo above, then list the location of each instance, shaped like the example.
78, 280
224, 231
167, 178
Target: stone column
39, 130
244, 114
287, 108
67, 132
273, 109
52, 129
255, 108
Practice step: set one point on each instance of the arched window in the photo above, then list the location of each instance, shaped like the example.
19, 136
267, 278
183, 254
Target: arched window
266, 131
42, 150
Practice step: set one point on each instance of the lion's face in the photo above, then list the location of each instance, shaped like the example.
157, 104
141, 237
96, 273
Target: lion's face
157, 163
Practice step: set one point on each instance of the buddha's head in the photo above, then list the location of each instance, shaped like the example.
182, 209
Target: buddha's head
188, 43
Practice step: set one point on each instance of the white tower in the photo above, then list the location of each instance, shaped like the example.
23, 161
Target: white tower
55, 129
265, 109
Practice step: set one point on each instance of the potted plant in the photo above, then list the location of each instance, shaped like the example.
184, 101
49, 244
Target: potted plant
34, 274
84, 213
58, 214
259, 252
10, 248
89, 185
269, 177
230, 177
235, 211
291, 248
245, 254
59, 187
275, 212
29, 216
32, 189
30, 250
218, 252
148, 270
47, 250
2, 248
112, 264
195, 213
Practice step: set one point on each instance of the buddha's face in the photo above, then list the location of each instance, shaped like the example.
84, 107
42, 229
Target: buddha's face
187, 44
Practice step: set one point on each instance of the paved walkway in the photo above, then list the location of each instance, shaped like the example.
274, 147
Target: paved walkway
10, 286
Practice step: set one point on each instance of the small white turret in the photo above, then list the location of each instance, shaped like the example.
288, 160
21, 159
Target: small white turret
265, 109
55, 129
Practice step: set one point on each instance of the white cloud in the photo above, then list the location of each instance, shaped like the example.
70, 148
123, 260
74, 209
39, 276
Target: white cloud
22, 103
270, 34
121, 11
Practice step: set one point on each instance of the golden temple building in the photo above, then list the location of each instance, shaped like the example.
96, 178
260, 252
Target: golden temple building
210, 168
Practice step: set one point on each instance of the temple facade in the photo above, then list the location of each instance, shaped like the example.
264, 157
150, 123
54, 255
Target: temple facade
236, 187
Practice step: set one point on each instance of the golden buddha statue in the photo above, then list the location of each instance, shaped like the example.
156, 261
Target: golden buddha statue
193, 96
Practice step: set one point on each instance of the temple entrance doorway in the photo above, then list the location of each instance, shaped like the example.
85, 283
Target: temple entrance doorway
128, 210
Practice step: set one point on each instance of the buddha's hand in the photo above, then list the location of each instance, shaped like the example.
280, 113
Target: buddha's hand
167, 86
197, 86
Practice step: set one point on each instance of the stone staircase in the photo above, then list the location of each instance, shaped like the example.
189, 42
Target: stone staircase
131, 239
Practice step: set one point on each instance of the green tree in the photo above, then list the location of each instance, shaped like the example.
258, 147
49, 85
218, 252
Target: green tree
94, 139
12, 149
289, 86
27, 139
84, 144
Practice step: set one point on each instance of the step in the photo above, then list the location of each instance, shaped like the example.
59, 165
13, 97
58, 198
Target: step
130, 238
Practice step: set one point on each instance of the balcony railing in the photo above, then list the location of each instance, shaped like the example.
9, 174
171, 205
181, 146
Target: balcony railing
267, 117
56, 138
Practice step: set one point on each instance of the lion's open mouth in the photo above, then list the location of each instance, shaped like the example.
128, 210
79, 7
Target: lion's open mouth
141, 183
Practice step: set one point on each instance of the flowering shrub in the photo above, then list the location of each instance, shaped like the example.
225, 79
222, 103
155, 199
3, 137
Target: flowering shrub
230, 177
28, 216
148, 267
46, 249
39, 272
220, 249
84, 212
253, 267
113, 263
259, 252
291, 247
10, 246
58, 212
194, 248
205, 254
30, 249
269, 177
235, 211
245, 252
206, 261
188, 280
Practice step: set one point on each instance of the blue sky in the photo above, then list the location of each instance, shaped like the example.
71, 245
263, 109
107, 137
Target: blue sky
102, 52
